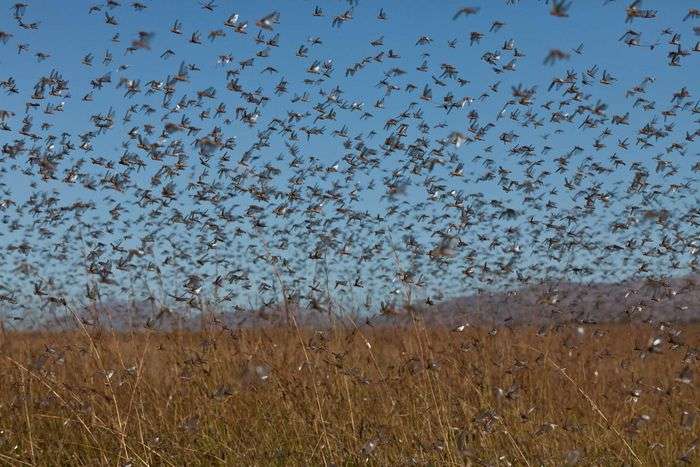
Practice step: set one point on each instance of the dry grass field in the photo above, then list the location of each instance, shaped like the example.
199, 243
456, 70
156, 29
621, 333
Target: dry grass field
598, 395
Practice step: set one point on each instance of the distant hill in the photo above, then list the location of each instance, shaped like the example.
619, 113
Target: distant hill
675, 300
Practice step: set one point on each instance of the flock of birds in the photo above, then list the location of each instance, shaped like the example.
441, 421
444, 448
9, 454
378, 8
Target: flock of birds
358, 176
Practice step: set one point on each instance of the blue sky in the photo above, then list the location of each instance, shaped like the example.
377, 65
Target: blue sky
67, 32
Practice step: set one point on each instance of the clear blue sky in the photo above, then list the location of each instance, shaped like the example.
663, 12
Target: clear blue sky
68, 32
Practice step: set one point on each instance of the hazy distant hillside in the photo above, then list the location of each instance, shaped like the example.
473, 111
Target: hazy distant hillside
677, 300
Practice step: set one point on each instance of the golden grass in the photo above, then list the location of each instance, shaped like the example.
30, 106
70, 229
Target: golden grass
389, 396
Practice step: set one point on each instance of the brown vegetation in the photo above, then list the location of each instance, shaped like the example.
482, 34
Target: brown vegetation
599, 395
